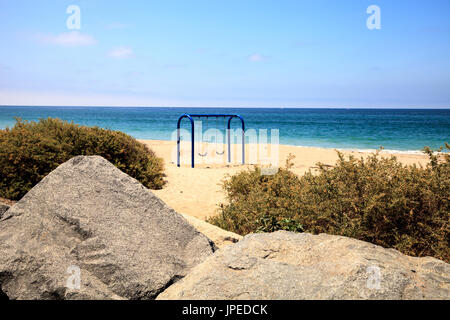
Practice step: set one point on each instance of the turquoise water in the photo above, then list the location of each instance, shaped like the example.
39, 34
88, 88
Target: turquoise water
394, 129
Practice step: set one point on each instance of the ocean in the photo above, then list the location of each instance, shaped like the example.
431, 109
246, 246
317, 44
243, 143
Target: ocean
397, 130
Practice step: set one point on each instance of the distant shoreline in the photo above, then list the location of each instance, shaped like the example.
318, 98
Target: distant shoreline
383, 151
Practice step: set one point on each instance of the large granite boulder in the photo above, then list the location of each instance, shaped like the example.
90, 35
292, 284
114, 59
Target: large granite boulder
89, 231
285, 265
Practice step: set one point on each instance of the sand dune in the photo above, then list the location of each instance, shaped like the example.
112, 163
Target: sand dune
197, 192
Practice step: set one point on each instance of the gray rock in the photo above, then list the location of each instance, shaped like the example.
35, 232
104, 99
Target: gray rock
285, 265
3, 209
90, 219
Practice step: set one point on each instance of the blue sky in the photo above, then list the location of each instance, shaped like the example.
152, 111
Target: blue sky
226, 53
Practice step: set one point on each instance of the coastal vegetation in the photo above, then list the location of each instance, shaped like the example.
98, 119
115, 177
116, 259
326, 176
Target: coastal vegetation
377, 199
31, 150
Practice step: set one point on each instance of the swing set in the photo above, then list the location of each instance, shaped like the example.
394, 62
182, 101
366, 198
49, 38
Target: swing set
191, 118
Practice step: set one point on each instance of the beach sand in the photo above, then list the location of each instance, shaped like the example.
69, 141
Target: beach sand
197, 192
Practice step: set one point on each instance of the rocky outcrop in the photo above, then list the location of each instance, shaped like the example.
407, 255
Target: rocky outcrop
285, 265
3, 209
89, 231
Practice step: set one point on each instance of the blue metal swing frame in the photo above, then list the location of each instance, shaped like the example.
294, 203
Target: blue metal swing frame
191, 118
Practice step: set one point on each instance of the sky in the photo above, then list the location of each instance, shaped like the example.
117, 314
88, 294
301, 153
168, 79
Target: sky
226, 53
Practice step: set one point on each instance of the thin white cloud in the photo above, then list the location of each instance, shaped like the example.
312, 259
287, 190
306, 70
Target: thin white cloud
121, 53
68, 39
257, 58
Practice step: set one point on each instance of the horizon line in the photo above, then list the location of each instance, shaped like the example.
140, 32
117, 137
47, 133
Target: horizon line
228, 107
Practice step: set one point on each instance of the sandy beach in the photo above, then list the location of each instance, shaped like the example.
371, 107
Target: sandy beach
197, 192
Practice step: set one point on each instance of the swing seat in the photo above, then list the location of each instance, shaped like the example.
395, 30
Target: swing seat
220, 153
203, 155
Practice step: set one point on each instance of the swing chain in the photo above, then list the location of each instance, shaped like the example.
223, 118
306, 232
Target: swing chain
202, 140
223, 149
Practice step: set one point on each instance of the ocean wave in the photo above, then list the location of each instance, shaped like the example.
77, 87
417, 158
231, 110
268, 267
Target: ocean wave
390, 151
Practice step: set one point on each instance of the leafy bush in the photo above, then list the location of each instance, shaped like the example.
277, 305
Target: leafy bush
378, 200
31, 150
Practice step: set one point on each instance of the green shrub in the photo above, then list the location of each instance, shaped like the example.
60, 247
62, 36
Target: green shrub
31, 150
378, 200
